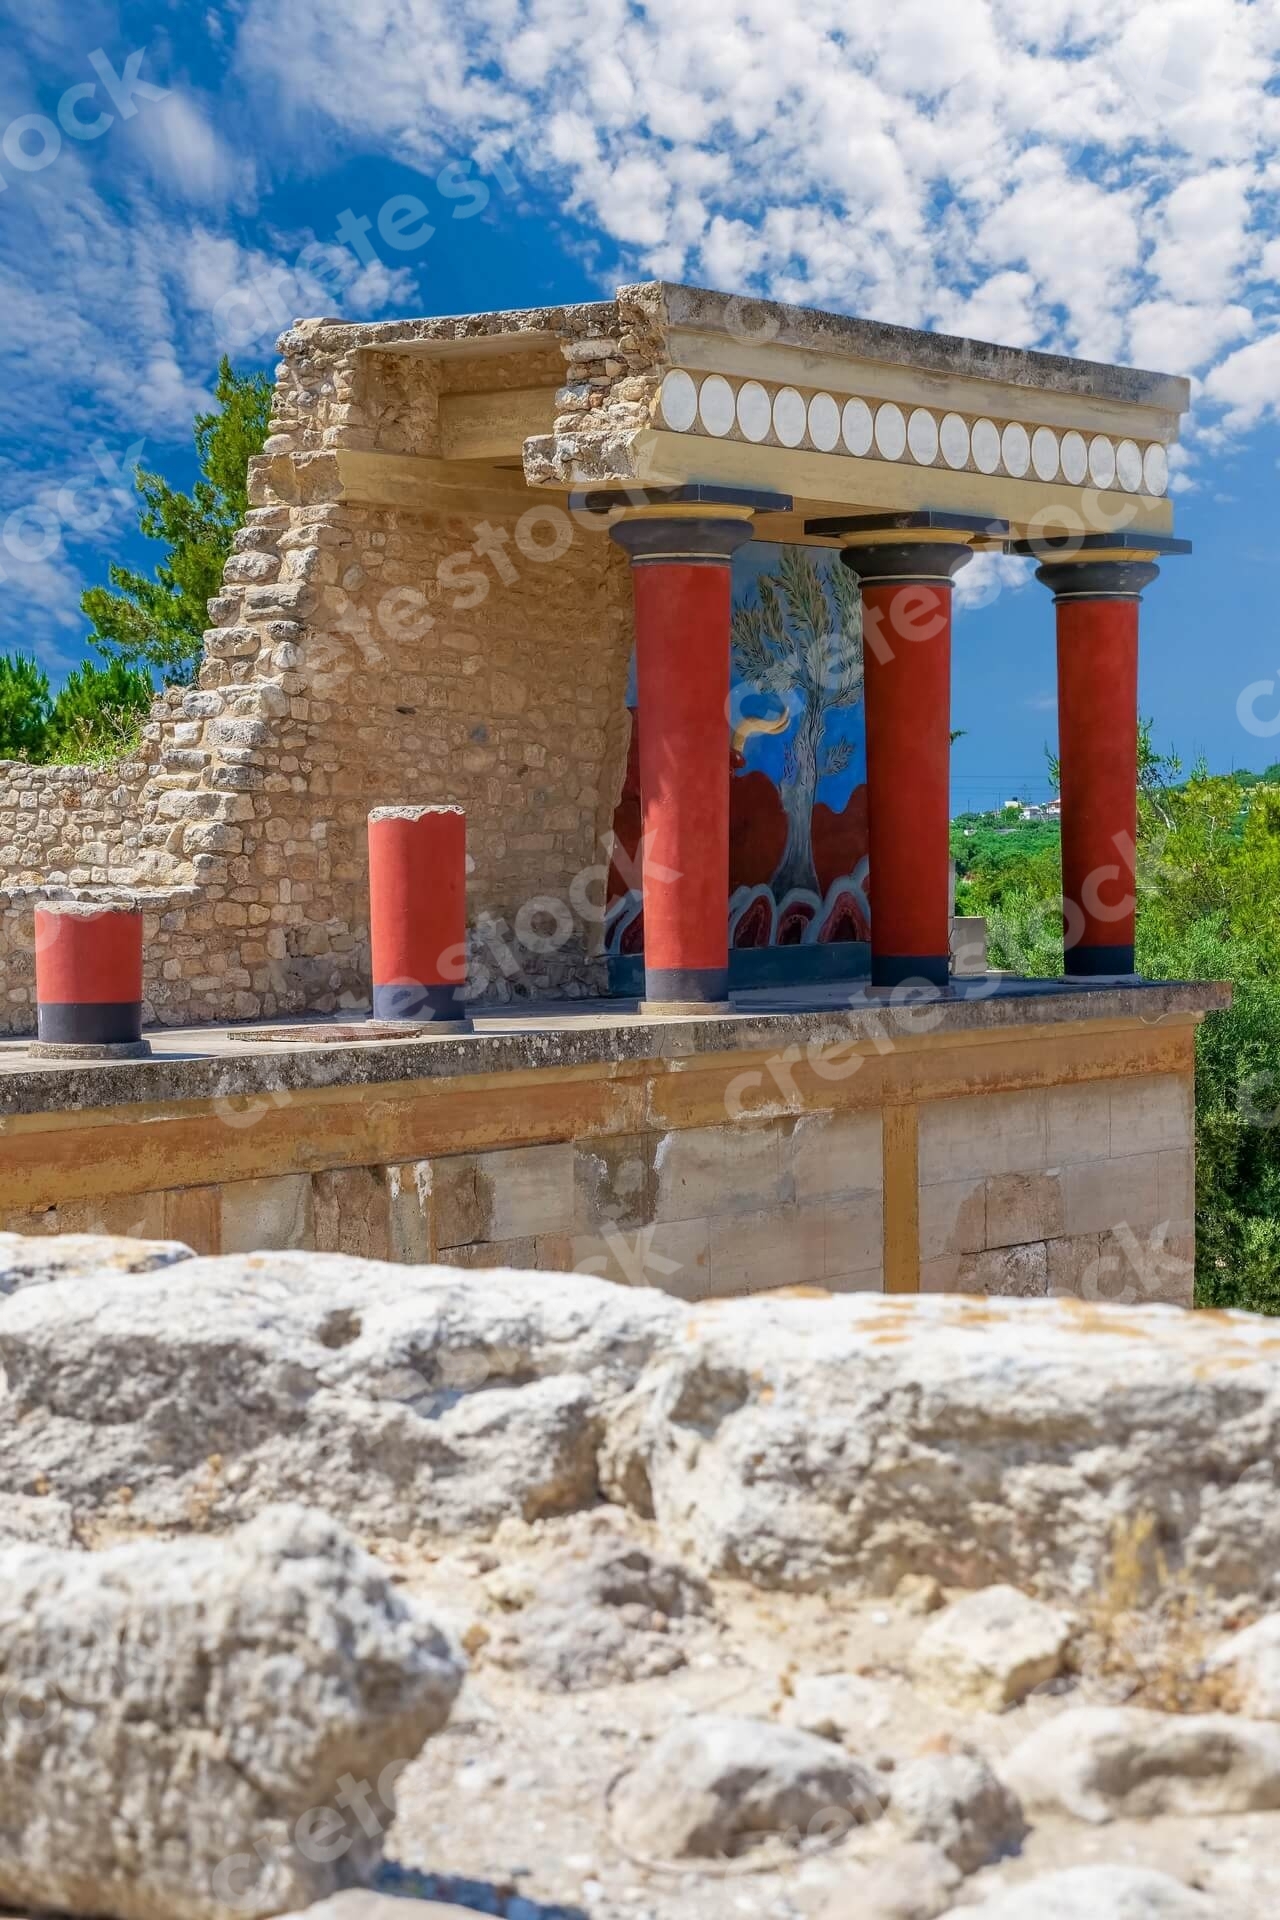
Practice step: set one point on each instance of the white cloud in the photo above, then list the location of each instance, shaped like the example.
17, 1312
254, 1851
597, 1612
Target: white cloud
1054, 172
1247, 383
109, 332
184, 155
1182, 338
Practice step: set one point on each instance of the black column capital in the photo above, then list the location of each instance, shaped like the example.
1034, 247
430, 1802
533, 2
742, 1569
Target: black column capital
1097, 579
656, 539
926, 546
931, 563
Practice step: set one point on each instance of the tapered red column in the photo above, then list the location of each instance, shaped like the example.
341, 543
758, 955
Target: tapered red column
680, 564
1097, 582
418, 913
906, 651
1097, 612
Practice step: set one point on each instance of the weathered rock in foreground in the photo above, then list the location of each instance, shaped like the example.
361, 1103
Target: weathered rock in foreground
1100, 1763
32, 1260
180, 1720
408, 1400
606, 1616
1096, 1893
954, 1802
796, 1443
26, 1520
990, 1650
1252, 1659
714, 1786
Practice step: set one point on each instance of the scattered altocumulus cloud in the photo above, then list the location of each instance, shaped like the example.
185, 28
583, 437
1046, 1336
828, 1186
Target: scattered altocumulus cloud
1059, 173
1062, 173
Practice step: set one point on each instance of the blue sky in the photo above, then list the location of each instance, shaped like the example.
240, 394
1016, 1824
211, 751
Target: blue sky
1057, 173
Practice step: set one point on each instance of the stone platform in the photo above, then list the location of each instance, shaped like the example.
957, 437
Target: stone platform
1003, 1137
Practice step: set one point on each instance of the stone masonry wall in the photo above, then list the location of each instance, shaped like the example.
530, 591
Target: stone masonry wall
1085, 1190
360, 655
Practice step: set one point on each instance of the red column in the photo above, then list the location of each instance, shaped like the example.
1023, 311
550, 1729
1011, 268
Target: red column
681, 576
418, 912
89, 977
906, 650
1097, 613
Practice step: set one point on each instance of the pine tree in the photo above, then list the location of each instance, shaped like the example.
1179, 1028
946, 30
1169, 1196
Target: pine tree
98, 711
24, 708
158, 624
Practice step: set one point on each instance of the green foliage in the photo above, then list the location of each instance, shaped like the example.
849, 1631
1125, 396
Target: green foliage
158, 624
1208, 909
24, 708
99, 713
96, 716
997, 861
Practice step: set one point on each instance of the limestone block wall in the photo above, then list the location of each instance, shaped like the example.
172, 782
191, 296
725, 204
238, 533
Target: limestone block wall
1057, 1162
1068, 1190
710, 1211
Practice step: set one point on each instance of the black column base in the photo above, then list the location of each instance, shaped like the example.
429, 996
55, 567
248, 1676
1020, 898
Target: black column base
895, 969
685, 989
90, 1023
411, 1002
1086, 963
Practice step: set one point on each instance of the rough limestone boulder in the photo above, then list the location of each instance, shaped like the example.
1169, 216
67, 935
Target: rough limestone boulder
409, 1400
1102, 1763
27, 1520
1096, 1893
990, 1650
796, 1443
801, 1442
1252, 1661
953, 1801
716, 1786
33, 1260
603, 1617
206, 1729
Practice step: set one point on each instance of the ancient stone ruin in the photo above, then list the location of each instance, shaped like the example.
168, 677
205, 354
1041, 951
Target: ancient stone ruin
371, 1591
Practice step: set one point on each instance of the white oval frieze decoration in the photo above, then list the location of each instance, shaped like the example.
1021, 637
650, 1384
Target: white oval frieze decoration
1102, 461
891, 431
856, 426
1129, 466
1044, 453
790, 416
986, 445
716, 405
755, 411
679, 401
1155, 468
953, 438
824, 422
1015, 449
1075, 459
922, 437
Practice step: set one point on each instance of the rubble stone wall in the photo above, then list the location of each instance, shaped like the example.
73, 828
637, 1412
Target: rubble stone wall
361, 655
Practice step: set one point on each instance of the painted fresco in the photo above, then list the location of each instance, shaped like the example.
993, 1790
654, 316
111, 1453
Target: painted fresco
797, 762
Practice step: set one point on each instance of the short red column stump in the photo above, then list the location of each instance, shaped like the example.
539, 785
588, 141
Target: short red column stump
418, 914
89, 980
